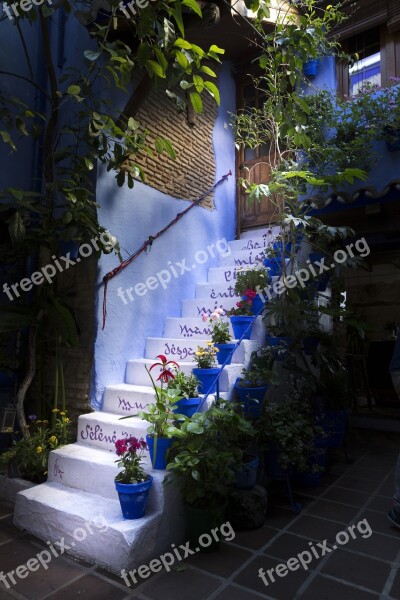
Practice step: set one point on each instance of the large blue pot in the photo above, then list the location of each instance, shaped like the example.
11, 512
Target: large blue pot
224, 353
251, 398
158, 451
256, 303
187, 406
239, 325
310, 68
206, 378
133, 498
246, 475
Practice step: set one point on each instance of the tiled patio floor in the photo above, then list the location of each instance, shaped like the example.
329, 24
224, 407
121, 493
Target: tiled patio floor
362, 569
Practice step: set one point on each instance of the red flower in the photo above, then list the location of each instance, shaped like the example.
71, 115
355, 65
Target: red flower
249, 294
166, 374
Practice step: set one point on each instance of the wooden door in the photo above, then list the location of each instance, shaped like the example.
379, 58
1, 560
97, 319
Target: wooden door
254, 165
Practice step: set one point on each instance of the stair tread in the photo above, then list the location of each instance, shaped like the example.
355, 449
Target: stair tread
131, 387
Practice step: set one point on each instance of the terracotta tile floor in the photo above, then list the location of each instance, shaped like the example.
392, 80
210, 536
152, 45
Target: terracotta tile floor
364, 568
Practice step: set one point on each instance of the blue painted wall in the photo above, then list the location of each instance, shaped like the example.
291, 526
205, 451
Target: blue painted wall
133, 215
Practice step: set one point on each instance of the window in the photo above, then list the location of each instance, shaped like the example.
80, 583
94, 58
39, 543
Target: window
367, 69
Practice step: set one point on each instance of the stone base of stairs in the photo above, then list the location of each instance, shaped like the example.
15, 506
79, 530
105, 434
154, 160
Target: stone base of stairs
91, 527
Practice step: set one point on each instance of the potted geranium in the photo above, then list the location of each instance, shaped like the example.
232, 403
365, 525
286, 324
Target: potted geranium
242, 317
248, 284
161, 414
206, 371
220, 336
132, 483
187, 387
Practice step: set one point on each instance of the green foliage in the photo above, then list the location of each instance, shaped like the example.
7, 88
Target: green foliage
207, 448
250, 279
205, 356
185, 385
130, 452
219, 328
31, 454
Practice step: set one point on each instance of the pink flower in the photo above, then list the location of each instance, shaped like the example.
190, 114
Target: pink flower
214, 316
219, 311
204, 318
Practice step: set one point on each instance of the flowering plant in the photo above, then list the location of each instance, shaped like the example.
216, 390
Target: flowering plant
205, 357
30, 454
219, 329
130, 452
160, 415
248, 280
244, 308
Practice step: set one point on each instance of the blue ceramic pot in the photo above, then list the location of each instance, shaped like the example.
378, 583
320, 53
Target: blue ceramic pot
246, 475
224, 353
310, 68
239, 325
158, 451
187, 406
206, 378
251, 398
133, 498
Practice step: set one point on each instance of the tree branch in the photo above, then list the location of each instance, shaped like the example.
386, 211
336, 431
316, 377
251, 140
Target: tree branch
29, 81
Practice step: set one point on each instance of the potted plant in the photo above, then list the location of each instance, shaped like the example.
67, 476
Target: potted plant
203, 459
253, 385
220, 336
206, 371
132, 483
186, 387
161, 414
242, 317
248, 282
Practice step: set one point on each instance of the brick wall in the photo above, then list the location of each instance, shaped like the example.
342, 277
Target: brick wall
193, 170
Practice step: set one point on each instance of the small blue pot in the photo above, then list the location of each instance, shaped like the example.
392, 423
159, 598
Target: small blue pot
275, 341
239, 325
206, 378
224, 353
246, 475
158, 451
251, 398
310, 68
257, 303
133, 498
187, 406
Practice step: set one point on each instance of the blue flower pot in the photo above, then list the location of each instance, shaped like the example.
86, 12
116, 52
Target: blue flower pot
224, 353
187, 406
251, 398
239, 325
206, 378
246, 475
133, 498
317, 458
275, 341
158, 451
256, 303
310, 68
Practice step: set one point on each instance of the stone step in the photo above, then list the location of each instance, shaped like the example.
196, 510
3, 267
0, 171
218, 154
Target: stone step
93, 470
136, 373
225, 275
242, 258
92, 527
183, 350
260, 232
200, 306
253, 242
127, 399
103, 429
216, 291
177, 327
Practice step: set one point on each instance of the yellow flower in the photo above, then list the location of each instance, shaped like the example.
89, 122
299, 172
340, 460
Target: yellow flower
45, 422
62, 414
53, 439
209, 343
66, 420
55, 410
39, 449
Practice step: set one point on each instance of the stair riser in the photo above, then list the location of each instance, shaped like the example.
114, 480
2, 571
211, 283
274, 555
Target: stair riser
252, 243
273, 231
136, 373
183, 350
95, 478
188, 328
244, 258
127, 403
222, 275
104, 435
197, 308
216, 291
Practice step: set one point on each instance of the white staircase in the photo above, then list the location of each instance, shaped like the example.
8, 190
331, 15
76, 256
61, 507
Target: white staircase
80, 492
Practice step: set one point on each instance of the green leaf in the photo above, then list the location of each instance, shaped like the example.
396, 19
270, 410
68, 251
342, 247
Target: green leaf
193, 5
208, 71
74, 90
88, 163
182, 60
198, 82
185, 85
212, 88
169, 33
6, 136
252, 4
180, 43
177, 14
217, 50
196, 102
92, 56
16, 229
156, 68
